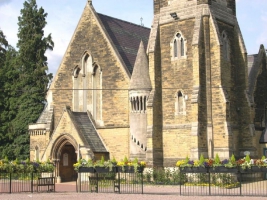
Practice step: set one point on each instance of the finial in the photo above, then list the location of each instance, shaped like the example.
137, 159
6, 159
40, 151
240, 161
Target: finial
90, 2
141, 19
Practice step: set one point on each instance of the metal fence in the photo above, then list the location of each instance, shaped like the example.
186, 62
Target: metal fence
26, 182
223, 184
111, 182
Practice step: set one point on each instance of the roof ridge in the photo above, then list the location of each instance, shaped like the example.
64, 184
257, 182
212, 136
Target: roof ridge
124, 21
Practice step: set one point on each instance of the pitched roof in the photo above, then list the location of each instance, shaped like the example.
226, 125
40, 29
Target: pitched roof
126, 37
87, 129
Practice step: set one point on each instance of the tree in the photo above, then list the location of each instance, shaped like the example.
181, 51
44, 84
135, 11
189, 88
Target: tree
8, 78
3, 49
33, 78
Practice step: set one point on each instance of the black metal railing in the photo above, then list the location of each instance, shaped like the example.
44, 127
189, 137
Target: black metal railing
223, 183
26, 182
110, 182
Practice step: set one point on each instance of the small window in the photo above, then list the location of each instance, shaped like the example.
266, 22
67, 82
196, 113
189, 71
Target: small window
226, 48
178, 47
175, 51
180, 103
37, 153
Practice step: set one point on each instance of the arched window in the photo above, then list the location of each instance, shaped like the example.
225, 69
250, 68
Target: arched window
178, 46
145, 99
182, 47
175, 50
226, 47
141, 104
96, 92
87, 85
137, 104
37, 152
180, 104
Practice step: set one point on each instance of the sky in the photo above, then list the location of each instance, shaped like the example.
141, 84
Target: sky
63, 17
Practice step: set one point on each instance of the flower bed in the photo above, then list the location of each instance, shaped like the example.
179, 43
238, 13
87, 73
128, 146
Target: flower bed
102, 166
27, 166
215, 165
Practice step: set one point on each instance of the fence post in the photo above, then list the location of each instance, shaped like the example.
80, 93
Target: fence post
240, 176
142, 182
180, 182
209, 185
10, 184
32, 182
79, 182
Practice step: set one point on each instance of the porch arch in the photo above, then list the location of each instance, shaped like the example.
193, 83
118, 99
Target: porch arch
64, 155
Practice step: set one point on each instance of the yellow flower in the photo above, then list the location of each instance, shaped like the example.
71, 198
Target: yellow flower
196, 163
180, 162
143, 163
121, 163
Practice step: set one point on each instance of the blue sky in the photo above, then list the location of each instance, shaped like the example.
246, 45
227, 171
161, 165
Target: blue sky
63, 16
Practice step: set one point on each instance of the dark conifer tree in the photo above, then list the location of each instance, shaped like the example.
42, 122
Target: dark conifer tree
33, 80
3, 49
9, 75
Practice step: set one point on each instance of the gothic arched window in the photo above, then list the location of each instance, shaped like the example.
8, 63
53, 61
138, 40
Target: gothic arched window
96, 92
226, 47
180, 104
178, 47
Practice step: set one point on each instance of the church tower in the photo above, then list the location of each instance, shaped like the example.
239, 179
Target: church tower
198, 72
140, 87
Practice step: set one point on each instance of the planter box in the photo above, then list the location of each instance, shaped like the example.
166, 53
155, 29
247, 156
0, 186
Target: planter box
130, 169
105, 170
264, 169
194, 169
251, 170
87, 169
222, 169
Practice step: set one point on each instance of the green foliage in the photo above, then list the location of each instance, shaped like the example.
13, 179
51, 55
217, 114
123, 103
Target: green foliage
167, 176
263, 157
217, 159
17, 166
135, 160
232, 159
114, 161
247, 158
125, 160
186, 159
201, 160
24, 80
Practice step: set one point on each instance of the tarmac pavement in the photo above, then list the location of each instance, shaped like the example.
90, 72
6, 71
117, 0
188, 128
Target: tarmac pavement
65, 191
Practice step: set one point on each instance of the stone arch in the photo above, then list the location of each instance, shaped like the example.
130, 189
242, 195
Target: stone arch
60, 142
63, 153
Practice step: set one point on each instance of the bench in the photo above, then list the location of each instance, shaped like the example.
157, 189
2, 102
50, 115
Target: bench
93, 180
46, 181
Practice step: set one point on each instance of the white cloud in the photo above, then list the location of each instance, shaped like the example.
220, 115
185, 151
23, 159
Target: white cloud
8, 24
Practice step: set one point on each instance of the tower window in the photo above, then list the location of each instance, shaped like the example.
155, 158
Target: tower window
180, 104
178, 47
226, 47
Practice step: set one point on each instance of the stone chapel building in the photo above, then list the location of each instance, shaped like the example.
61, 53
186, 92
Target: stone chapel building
185, 87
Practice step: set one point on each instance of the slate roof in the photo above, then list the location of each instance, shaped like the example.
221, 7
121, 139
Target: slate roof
88, 131
126, 37
140, 76
46, 116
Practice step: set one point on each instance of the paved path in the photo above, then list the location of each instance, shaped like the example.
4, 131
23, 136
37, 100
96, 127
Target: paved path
67, 191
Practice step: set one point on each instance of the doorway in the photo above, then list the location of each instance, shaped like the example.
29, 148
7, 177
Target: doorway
67, 158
